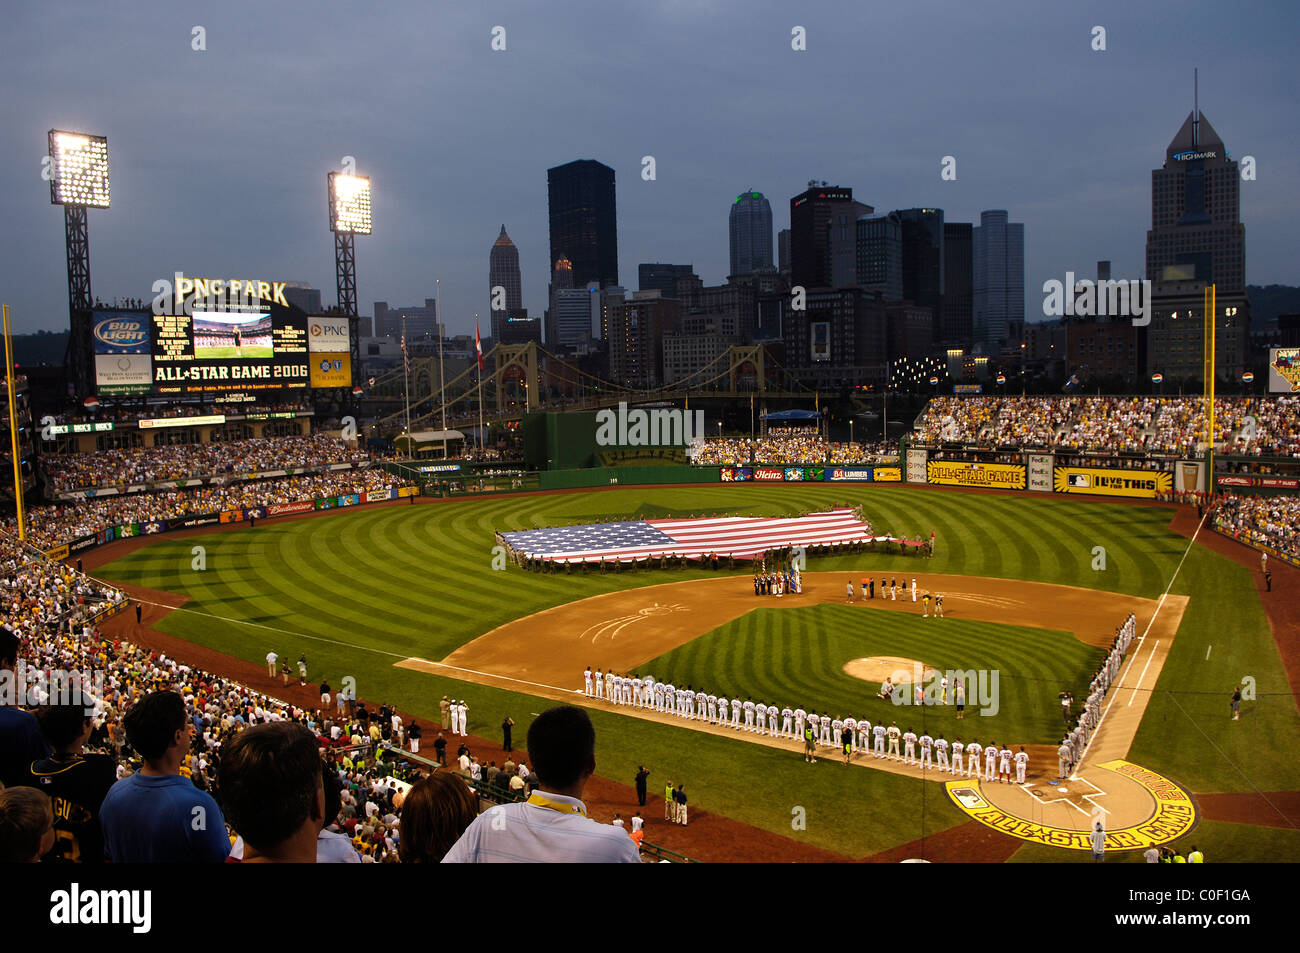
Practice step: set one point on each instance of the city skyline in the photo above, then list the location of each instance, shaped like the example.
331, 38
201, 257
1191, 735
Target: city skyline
1069, 154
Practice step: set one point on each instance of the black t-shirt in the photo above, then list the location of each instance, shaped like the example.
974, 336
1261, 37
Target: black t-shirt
76, 787
20, 744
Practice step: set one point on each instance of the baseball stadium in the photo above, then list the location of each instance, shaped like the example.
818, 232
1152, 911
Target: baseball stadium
852, 556
1120, 649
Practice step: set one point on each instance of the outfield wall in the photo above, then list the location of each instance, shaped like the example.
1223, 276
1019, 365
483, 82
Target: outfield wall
241, 514
617, 476
1036, 472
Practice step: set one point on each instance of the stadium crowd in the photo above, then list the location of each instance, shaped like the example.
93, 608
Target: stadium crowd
188, 461
72, 780
790, 446
1165, 425
1272, 521
49, 526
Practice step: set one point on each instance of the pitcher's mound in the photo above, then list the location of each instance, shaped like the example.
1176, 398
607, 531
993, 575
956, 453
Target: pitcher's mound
875, 668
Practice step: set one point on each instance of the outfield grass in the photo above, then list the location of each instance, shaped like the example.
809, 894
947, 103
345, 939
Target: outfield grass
797, 657
360, 589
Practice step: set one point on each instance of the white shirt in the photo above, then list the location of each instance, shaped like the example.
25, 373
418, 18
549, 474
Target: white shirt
331, 848
637, 823
533, 833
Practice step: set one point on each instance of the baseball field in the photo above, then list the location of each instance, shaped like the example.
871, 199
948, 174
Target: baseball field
414, 603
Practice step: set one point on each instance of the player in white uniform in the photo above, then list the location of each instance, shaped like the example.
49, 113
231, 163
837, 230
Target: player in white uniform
973, 751
800, 716
957, 749
879, 732
990, 762
760, 718
815, 723
913, 590
670, 698
735, 713
927, 743
722, 710
586, 681
909, 747
894, 733
864, 734
748, 707
1022, 762
712, 702
837, 731
600, 684
1004, 765
851, 732
787, 721
941, 754
771, 720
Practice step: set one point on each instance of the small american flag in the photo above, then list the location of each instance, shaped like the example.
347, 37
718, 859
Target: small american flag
743, 537
406, 358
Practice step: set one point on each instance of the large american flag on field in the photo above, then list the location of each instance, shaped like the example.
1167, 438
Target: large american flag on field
743, 537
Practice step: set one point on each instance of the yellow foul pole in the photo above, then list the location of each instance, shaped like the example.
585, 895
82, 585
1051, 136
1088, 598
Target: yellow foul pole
11, 385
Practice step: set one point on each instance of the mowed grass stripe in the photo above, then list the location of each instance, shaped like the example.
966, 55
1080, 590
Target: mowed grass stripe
456, 538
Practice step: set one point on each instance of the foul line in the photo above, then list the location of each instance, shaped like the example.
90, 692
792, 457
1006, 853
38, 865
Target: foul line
1096, 732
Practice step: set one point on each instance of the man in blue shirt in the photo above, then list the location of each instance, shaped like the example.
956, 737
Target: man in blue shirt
155, 815
20, 736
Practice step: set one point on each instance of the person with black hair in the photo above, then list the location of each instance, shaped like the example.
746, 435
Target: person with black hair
155, 815
273, 792
552, 825
76, 783
20, 736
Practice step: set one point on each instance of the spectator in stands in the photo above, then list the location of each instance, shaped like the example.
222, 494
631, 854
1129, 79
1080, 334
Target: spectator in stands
26, 825
155, 815
20, 736
78, 782
552, 826
435, 813
271, 784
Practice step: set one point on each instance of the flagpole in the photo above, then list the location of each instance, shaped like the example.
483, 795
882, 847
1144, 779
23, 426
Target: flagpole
10, 384
442, 383
406, 364
479, 359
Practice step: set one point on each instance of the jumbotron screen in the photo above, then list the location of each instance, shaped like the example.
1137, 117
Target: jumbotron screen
212, 352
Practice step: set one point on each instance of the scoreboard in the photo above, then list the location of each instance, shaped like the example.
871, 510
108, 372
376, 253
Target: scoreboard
264, 348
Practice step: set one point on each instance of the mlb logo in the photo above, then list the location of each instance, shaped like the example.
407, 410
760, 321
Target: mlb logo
1080, 480
969, 798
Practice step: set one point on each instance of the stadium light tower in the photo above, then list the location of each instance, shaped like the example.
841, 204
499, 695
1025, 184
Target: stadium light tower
349, 216
78, 172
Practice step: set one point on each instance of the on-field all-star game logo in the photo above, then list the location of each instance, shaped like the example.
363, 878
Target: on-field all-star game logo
1287, 365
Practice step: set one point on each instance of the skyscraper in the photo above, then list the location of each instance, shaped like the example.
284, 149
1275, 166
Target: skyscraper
954, 325
1196, 232
880, 255
783, 250
661, 277
503, 272
580, 196
998, 285
923, 257
750, 227
823, 236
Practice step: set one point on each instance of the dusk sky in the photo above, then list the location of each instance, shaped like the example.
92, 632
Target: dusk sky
219, 157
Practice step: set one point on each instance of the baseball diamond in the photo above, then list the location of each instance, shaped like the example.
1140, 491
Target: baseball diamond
1021, 599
